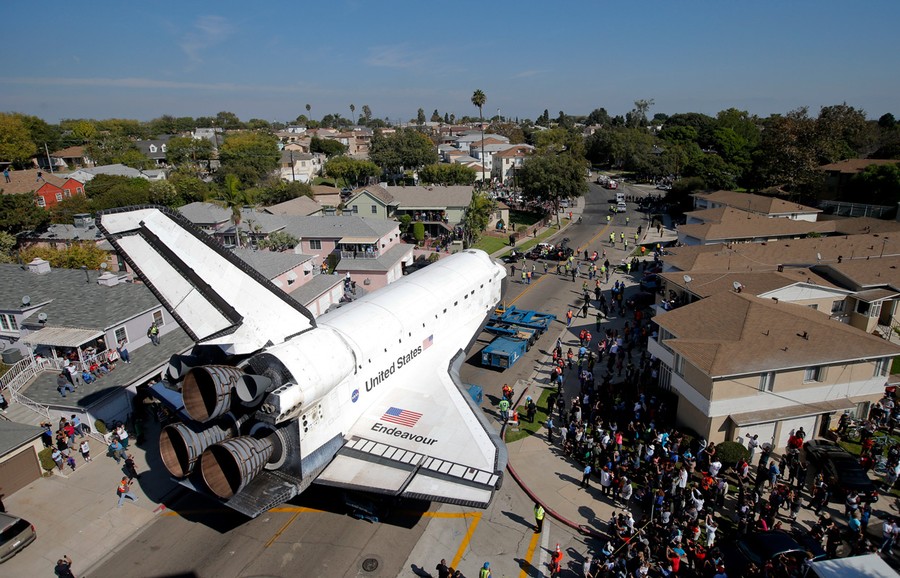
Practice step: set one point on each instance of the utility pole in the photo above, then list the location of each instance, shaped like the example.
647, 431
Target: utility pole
49, 161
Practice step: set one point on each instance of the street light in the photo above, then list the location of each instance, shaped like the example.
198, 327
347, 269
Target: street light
87, 278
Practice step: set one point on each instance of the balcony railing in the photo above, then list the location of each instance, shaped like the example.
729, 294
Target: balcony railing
360, 255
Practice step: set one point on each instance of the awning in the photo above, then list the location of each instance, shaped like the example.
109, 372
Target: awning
291, 276
349, 240
800, 410
62, 336
873, 295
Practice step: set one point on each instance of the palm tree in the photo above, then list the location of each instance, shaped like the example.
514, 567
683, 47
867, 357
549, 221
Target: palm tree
352, 114
478, 99
308, 108
233, 198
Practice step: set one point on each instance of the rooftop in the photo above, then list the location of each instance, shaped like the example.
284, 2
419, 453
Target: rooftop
853, 166
726, 223
271, 264
26, 181
201, 213
336, 227
13, 435
736, 333
383, 262
759, 204
431, 197
71, 300
704, 284
302, 206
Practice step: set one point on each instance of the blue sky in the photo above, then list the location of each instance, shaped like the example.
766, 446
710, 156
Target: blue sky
269, 59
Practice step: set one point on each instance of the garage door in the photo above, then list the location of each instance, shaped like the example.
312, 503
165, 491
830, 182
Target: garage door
788, 426
19, 471
765, 431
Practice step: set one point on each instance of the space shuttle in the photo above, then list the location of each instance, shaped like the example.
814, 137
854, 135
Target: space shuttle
365, 397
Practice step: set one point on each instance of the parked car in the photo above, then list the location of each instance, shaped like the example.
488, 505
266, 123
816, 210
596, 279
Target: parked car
641, 300
841, 470
621, 208
512, 257
760, 547
651, 283
15, 535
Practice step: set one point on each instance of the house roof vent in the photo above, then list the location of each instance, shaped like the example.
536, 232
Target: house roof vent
39, 267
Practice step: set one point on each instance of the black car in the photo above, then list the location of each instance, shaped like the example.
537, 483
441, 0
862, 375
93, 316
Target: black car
512, 257
841, 470
760, 547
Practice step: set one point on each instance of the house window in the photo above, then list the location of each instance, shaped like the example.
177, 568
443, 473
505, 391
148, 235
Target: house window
374, 209
8, 322
152, 148
868, 309
814, 307
40, 201
813, 373
68, 193
767, 381
881, 367
355, 210
837, 306
58, 197
121, 335
679, 364
78, 190
315, 244
158, 317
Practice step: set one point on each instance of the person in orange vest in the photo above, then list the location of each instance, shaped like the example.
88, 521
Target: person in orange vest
556, 561
569, 318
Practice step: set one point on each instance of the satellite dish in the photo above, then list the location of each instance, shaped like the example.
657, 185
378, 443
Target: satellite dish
42, 317
737, 285
688, 278
818, 256
26, 300
104, 266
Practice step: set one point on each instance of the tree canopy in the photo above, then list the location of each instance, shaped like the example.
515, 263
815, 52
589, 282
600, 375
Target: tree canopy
250, 156
351, 171
15, 140
447, 174
405, 149
548, 178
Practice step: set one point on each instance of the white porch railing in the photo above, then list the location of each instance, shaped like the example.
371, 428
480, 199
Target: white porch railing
38, 408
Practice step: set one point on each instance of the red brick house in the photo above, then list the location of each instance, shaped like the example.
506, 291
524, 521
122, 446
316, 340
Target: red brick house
46, 188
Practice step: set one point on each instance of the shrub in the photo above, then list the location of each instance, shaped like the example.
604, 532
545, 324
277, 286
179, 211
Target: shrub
731, 452
44, 456
100, 427
419, 232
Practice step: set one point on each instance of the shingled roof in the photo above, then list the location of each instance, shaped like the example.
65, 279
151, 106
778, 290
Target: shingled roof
726, 223
736, 333
759, 204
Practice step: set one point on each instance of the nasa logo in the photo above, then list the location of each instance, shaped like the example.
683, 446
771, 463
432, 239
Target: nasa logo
355, 395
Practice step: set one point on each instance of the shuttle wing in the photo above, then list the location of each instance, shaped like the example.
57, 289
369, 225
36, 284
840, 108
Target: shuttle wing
216, 297
425, 439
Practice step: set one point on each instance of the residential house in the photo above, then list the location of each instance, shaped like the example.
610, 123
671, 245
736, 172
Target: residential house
155, 149
302, 167
19, 447
505, 163
440, 208
56, 317
373, 201
464, 140
771, 207
86, 174
81, 230
209, 217
302, 206
838, 175
741, 365
784, 254
875, 283
730, 225
74, 157
47, 189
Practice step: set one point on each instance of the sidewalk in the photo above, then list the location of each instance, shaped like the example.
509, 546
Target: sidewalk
75, 513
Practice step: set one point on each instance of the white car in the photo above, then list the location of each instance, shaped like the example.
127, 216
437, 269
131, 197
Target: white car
621, 207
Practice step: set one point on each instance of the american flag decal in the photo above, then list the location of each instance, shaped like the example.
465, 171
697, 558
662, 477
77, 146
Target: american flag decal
428, 342
402, 417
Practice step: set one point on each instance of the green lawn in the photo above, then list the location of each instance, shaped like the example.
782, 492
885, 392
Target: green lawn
526, 429
895, 365
490, 244
855, 448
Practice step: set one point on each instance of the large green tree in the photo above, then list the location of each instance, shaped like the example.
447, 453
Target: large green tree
250, 156
477, 216
876, 184
280, 192
351, 171
20, 213
549, 178
16, 145
405, 149
447, 174
189, 151
327, 146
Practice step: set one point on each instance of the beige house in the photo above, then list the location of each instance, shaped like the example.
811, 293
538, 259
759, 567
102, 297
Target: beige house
742, 365
771, 207
729, 225
507, 162
298, 166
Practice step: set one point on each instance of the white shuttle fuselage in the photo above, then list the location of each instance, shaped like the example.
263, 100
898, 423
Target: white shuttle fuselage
366, 397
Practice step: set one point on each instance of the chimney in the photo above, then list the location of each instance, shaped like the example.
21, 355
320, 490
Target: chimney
108, 279
39, 267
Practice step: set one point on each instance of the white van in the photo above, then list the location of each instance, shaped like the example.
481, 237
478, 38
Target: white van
620, 197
